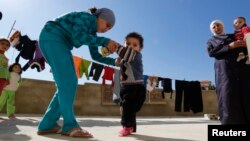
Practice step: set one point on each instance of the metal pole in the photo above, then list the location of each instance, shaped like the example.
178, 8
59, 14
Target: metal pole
11, 28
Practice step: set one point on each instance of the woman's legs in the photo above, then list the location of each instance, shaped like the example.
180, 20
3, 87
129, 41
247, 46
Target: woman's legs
59, 57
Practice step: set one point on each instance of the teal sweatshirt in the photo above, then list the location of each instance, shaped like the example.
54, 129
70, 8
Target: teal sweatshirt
76, 29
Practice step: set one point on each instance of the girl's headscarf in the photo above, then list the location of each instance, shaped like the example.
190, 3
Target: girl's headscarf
106, 14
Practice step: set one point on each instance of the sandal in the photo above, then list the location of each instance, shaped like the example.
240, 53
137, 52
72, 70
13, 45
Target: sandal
78, 133
54, 130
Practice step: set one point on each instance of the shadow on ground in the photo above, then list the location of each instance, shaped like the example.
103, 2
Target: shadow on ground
153, 138
105, 123
9, 129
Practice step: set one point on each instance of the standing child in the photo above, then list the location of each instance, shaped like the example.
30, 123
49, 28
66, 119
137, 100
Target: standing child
133, 91
4, 46
57, 39
8, 93
240, 32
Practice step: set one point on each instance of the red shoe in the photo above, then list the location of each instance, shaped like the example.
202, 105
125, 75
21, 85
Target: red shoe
125, 131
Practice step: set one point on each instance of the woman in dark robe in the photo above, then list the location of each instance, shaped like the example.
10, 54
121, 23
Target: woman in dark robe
232, 79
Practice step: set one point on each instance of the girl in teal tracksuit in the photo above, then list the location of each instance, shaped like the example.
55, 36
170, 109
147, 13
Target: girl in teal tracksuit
56, 41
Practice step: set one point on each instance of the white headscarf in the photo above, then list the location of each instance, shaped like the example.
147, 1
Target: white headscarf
219, 22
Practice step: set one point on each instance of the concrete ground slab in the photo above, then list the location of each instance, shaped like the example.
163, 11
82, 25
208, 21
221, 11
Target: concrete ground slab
24, 128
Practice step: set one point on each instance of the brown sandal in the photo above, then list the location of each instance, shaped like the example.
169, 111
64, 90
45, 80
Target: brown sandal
78, 133
54, 130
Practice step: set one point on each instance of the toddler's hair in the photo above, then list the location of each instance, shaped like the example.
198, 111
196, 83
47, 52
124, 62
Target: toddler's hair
12, 66
243, 18
137, 36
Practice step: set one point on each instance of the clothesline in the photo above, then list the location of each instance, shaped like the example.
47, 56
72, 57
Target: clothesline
118, 69
40, 68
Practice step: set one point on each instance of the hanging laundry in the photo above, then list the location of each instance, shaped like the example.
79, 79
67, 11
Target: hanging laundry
194, 95
77, 61
14, 38
126, 54
145, 78
117, 87
179, 95
38, 62
151, 83
108, 75
191, 93
84, 67
81, 67
28, 48
158, 82
96, 71
127, 73
166, 83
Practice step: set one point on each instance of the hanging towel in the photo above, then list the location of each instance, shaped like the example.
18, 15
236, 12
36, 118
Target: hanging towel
108, 75
77, 62
117, 87
84, 67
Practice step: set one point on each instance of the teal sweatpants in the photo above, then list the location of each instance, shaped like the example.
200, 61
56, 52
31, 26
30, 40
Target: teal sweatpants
58, 55
9, 97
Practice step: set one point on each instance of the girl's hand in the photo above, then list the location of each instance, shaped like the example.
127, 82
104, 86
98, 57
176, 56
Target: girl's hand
112, 46
118, 62
241, 43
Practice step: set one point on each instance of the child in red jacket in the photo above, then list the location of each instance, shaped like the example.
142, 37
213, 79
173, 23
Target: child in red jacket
241, 29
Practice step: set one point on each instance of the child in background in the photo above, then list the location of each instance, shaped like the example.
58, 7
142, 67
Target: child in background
4, 46
240, 32
133, 91
8, 93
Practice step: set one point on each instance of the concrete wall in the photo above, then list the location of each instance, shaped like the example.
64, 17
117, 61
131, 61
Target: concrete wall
33, 97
